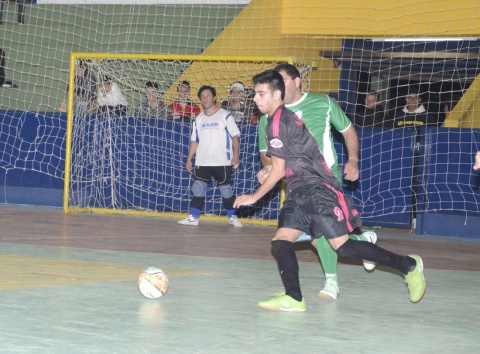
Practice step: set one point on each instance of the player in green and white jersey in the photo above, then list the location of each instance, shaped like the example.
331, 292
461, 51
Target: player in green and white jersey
320, 113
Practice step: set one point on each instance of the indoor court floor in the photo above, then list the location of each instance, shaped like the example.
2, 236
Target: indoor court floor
68, 285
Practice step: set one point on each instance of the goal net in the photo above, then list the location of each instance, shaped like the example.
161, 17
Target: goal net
358, 46
121, 161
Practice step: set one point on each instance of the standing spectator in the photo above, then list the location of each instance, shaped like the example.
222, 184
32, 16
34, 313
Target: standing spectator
314, 203
215, 143
414, 113
85, 90
111, 99
153, 107
183, 107
372, 114
238, 104
20, 10
320, 113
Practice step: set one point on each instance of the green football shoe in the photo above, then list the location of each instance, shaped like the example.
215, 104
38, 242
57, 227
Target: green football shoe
282, 302
416, 281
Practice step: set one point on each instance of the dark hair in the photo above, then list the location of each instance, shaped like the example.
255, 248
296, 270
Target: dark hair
183, 83
107, 79
273, 79
210, 88
414, 90
151, 84
290, 69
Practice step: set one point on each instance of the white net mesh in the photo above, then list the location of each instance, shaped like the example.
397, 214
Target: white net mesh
435, 49
122, 161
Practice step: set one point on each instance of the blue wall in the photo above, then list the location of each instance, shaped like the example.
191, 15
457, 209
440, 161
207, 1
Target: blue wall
432, 166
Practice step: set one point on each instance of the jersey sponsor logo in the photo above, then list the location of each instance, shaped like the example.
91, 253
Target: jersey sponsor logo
276, 143
339, 213
209, 125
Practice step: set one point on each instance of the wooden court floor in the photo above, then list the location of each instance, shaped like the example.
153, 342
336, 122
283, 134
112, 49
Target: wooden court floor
68, 285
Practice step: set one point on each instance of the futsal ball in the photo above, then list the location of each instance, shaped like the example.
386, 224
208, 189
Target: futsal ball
153, 283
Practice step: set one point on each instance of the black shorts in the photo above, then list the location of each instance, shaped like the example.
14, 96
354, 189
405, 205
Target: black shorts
221, 174
319, 210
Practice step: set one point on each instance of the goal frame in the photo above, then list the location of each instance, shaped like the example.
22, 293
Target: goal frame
169, 57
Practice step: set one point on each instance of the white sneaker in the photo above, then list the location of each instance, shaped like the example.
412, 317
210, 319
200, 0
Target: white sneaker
234, 221
190, 220
330, 291
371, 237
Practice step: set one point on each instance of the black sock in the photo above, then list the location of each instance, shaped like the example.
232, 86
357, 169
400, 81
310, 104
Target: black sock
371, 252
288, 266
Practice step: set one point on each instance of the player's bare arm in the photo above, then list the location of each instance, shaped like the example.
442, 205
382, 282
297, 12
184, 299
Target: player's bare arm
263, 173
276, 174
351, 169
236, 152
192, 149
264, 159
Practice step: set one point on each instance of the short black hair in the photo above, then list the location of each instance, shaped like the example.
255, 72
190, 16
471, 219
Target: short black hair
206, 87
413, 89
107, 79
290, 69
183, 83
273, 79
151, 84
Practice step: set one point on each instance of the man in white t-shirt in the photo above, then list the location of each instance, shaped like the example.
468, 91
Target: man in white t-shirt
111, 99
215, 143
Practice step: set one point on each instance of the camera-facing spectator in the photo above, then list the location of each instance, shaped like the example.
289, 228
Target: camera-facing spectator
413, 113
372, 114
238, 103
153, 107
183, 107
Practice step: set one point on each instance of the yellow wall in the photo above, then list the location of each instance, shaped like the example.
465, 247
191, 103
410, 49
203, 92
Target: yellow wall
463, 115
256, 31
303, 28
381, 18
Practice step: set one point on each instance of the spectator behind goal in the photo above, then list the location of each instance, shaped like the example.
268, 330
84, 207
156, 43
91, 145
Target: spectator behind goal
153, 107
238, 103
183, 107
111, 99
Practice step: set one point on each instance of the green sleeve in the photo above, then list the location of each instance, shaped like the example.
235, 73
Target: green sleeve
262, 124
338, 117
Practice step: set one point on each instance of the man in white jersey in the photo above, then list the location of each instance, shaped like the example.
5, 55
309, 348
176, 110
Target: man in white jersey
215, 143
319, 113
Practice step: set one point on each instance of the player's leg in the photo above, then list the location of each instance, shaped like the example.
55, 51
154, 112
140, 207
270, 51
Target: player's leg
369, 236
411, 266
223, 175
201, 177
292, 221
284, 251
329, 259
357, 233
339, 218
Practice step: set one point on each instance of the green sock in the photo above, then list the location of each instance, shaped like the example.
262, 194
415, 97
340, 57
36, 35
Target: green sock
327, 255
356, 237
332, 277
